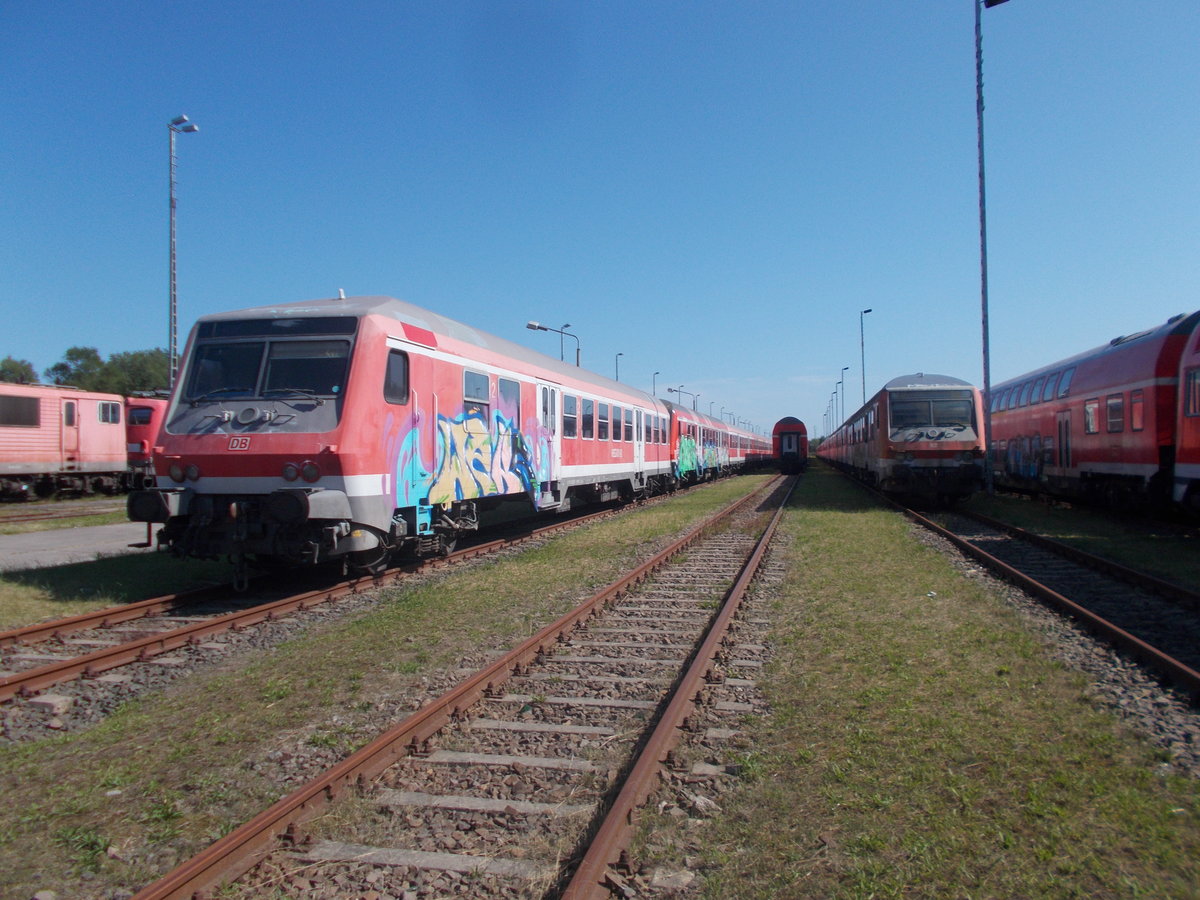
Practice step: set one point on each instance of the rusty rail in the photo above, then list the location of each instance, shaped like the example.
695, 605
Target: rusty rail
591, 880
244, 847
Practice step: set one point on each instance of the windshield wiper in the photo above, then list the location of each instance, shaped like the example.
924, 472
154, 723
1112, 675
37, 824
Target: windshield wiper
304, 392
224, 390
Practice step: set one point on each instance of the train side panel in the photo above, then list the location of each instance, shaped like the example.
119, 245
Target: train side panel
1100, 425
58, 438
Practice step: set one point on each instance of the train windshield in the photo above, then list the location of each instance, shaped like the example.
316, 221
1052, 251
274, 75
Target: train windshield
268, 369
924, 409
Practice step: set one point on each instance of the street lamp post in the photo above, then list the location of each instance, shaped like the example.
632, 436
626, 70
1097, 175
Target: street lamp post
654, 383
617, 367
538, 326
680, 390
178, 125
988, 475
842, 386
862, 352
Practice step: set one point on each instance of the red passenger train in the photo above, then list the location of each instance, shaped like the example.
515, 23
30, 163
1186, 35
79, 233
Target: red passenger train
789, 445
352, 428
921, 436
1119, 423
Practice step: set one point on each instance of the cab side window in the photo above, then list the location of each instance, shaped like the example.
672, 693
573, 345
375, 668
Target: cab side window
395, 380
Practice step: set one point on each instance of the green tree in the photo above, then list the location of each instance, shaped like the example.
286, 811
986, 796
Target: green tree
17, 371
80, 367
137, 370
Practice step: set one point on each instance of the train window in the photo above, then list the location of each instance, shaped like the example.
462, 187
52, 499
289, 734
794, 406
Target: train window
477, 400
69, 414
108, 412
602, 422
395, 379
1137, 410
510, 399
1115, 406
629, 424
1064, 383
1048, 393
570, 409
1191, 395
1025, 394
20, 412
549, 418
589, 418
316, 367
616, 420
1035, 395
228, 369
1091, 416
140, 415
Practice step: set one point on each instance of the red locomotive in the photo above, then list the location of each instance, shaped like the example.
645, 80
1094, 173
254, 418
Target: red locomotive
143, 419
59, 439
1119, 423
919, 436
354, 428
789, 445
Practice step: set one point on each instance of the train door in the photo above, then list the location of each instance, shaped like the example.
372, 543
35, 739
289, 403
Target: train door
1064, 440
70, 434
639, 449
549, 402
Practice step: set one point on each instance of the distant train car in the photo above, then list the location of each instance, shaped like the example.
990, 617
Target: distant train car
356, 428
1119, 423
789, 445
60, 439
920, 436
143, 419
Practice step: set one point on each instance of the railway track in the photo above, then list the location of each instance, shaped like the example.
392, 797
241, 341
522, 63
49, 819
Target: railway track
522, 780
169, 633
1154, 621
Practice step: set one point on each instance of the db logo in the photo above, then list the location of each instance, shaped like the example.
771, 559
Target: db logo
239, 442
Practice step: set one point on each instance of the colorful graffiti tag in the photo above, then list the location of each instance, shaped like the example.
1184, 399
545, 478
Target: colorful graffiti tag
477, 456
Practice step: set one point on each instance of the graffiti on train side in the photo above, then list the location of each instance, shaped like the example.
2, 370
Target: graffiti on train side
476, 456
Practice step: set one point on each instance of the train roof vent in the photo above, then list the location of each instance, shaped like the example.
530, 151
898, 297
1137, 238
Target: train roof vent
1126, 338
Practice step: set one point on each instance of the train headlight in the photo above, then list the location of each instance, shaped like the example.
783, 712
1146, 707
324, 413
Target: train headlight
291, 472
966, 456
176, 473
309, 471
192, 472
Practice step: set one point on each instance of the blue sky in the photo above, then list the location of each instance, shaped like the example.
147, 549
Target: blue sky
713, 190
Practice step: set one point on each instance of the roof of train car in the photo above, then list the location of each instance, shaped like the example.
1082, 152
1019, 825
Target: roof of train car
409, 313
1177, 324
920, 379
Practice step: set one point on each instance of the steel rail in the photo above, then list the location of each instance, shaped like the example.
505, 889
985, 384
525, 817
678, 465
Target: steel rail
31, 681
242, 848
592, 879
1153, 583
1180, 674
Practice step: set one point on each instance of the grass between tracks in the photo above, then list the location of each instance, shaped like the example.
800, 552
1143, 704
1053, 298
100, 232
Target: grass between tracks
116, 806
922, 744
